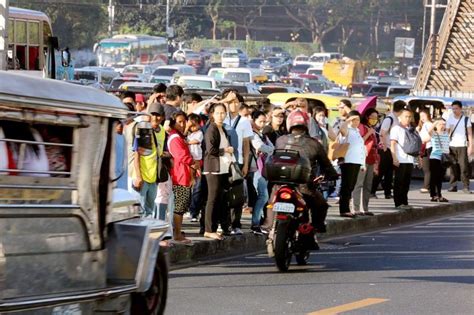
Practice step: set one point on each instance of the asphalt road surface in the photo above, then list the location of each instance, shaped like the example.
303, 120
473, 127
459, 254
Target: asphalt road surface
424, 268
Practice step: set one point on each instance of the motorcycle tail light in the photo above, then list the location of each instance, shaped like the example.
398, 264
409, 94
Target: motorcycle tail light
282, 217
299, 209
305, 228
285, 196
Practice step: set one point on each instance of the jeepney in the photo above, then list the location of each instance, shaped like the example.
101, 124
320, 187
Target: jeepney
66, 247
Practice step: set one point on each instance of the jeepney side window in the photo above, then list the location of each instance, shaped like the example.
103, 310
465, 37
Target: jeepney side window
37, 150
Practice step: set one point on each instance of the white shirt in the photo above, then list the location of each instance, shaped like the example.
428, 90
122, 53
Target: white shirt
387, 125
424, 132
356, 153
244, 130
196, 149
458, 138
398, 134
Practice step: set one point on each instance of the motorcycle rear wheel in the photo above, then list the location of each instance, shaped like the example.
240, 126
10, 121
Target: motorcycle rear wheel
282, 247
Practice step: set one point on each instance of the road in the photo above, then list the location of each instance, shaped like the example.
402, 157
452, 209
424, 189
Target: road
425, 268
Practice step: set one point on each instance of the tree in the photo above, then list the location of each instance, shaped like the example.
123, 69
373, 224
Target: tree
213, 8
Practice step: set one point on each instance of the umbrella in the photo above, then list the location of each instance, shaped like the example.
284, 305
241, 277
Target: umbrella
370, 102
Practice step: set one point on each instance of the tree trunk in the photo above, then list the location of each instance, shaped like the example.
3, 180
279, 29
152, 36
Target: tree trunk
214, 29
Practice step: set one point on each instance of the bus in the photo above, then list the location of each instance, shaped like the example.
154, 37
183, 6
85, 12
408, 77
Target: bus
28, 33
32, 49
122, 50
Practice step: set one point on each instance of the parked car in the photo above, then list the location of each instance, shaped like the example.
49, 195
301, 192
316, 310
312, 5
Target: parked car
255, 62
269, 51
233, 58
270, 88
276, 65
100, 75
180, 55
300, 59
242, 88
336, 92
299, 69
117, 82
241, 75
140, 71
197, 82
168, 72
358, 89
389, 90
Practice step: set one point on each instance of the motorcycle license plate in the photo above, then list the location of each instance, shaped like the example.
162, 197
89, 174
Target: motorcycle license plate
284, 207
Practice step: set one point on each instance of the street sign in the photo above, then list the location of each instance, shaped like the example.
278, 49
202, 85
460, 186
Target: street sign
404, 47
170, 32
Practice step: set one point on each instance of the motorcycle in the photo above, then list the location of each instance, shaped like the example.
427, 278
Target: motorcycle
292, 232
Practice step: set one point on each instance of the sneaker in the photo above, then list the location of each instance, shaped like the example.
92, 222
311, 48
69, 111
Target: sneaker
194, 219
388, 197
424, 190
406, 207
466, 191
256, 230
453, 189
236, 231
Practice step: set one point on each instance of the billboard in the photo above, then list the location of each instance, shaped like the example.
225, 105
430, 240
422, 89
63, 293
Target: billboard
404, 47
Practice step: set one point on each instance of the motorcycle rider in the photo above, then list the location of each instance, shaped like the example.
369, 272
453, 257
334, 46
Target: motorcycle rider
299, 140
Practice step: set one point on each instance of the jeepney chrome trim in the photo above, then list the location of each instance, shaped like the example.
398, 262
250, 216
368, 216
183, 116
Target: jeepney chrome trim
40, 206
21, 305
14, 170
38, 142
39, 187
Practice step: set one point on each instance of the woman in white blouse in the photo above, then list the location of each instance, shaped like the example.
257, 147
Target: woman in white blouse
354, 160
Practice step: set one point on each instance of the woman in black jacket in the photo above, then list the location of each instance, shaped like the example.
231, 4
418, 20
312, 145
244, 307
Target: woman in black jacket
217, 159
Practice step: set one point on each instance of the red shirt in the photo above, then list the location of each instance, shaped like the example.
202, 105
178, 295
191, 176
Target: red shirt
370, 145
182, 160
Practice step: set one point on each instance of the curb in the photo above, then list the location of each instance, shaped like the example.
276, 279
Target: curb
204, 251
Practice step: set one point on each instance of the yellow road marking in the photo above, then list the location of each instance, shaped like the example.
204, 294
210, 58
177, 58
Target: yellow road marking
348, 307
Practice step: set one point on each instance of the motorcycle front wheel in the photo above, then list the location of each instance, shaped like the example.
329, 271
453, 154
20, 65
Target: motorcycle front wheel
283, 246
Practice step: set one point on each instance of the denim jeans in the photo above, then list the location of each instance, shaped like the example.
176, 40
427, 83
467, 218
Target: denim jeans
262, 197
196, 198
147, 198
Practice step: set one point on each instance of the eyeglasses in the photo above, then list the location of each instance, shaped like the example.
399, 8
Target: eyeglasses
279, 116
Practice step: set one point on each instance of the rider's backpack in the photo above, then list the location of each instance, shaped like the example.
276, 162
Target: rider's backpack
412, 143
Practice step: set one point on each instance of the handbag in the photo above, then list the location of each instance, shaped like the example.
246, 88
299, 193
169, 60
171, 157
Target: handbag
447, 160
337, 150
235, 195
235, 174
162, 172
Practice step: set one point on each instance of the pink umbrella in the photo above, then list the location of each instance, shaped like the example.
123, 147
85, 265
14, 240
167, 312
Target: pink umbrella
369, 102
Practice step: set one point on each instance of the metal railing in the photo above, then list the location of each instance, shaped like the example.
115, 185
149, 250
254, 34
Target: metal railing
445, 28
436, 46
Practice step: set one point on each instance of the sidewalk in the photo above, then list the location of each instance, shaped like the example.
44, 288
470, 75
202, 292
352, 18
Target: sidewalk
386, 216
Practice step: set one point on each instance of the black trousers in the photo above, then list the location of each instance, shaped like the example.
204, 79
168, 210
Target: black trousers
436, 179
460, 170
215, 210
385, 173
401, 184
349, 173
426, 169
319, 210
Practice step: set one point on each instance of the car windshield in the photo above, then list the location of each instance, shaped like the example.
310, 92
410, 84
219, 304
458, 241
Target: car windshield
159, 80
198, 84
319, 59
273, 89
302, 58
315, 72
85, 75
315, 87
237, 77
133, 69
166, 72
378, 91
230, 55
300, 68
273, 60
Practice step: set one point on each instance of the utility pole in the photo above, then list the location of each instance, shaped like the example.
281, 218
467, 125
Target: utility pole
433, 17
168, 40
111, 9
4, 34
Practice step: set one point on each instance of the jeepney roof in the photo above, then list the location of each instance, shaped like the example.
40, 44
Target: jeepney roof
20, 90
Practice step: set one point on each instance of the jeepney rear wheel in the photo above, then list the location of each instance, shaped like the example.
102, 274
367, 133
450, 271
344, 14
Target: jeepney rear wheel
153, 301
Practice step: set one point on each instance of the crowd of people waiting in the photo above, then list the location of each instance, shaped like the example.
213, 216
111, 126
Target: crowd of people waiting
180, 150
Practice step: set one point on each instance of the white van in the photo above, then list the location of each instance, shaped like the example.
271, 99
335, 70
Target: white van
317, 60
240, 75
230, 58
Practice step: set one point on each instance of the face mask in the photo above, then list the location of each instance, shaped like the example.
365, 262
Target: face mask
373, 122
322, 120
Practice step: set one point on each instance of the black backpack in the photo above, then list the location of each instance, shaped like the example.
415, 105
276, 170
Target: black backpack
412, 143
